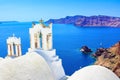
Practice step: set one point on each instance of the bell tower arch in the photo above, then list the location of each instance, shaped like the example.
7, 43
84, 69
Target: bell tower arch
41, 36
14, 46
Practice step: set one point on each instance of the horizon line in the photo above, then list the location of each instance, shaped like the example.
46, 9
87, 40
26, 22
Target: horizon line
53, 18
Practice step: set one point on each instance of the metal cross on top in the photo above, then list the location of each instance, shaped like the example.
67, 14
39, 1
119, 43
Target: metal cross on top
41, 21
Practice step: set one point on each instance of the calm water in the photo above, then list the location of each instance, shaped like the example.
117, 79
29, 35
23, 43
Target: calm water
67, 40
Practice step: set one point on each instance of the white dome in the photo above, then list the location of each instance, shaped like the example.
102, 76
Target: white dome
28, 67
1, 58
94, 72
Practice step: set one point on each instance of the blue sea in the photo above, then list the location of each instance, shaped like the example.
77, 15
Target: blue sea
67, 40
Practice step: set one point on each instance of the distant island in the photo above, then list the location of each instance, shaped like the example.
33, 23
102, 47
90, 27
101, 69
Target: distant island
85, 21
1, 22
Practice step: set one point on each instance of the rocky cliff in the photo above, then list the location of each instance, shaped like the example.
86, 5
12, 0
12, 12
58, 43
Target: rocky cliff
88, 21
109, 58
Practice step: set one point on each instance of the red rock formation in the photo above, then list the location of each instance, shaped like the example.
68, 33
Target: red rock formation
110, 58
115, 49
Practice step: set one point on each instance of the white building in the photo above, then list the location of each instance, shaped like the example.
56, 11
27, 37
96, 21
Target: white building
41, 61
41, 36
27, 67
41, 42
14, 46
94, 72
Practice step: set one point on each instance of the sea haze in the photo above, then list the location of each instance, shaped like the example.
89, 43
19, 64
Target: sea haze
67, 40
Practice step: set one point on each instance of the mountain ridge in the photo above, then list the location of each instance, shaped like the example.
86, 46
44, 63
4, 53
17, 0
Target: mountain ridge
85, 21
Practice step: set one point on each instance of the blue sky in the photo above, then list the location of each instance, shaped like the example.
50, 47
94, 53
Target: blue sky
33, 10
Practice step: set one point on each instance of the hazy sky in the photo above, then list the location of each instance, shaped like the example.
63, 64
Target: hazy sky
30, 10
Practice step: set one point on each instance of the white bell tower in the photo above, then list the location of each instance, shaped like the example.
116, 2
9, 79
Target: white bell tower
41, 36
41, 42
14, 46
